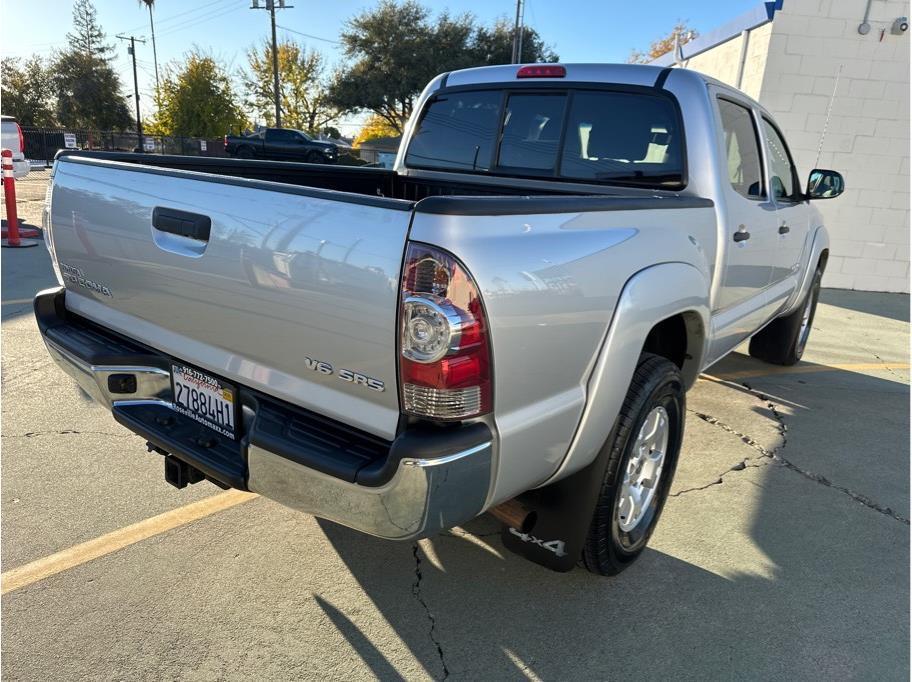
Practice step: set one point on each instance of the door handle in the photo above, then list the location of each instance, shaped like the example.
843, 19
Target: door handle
783, 229
742, 234
182, 223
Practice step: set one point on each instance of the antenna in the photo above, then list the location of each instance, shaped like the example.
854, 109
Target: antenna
826, 121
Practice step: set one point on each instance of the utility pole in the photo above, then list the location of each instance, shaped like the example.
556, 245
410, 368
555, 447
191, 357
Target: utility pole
131, 50
516, 57
271, 8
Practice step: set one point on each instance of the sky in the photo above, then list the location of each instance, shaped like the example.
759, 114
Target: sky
578, 30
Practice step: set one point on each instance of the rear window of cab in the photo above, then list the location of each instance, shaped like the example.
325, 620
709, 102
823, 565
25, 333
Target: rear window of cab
595, 136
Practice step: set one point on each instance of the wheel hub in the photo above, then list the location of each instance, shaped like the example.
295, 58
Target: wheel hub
643, 471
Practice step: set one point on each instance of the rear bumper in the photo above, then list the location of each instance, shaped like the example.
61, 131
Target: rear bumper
424, 481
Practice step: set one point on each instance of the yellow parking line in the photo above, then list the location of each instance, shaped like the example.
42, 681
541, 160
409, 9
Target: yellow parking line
809, 369
106, 544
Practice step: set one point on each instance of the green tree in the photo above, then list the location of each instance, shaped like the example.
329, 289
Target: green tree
394, 49
664, 45
87, 37
196, 99
494, 45
27, 91
87, 88
302, 86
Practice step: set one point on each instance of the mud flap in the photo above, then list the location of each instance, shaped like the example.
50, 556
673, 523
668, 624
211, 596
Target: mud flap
563, 515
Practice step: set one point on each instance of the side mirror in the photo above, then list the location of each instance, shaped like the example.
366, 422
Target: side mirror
824, 184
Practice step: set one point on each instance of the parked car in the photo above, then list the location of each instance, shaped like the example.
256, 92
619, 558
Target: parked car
13, 140
508, 320
282, 144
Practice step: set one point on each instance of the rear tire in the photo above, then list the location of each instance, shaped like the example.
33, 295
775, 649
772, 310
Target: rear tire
654, 405
782, 341
245, 153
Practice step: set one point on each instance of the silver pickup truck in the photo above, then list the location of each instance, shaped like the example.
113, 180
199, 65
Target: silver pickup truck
507, 321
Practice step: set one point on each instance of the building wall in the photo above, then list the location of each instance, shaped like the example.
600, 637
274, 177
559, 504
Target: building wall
791, 68
755, 63
867, 137
721, 62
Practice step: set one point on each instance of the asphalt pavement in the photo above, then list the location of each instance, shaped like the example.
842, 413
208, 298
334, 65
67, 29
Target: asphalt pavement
783, 552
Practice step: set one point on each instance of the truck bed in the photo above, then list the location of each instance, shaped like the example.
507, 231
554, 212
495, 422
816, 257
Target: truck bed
372, 182
268, 274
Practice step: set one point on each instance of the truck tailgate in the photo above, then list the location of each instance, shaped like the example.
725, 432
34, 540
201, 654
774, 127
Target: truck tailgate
291, 286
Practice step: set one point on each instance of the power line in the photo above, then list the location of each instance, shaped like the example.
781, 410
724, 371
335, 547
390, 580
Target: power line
178, 15
195, 21
307, 35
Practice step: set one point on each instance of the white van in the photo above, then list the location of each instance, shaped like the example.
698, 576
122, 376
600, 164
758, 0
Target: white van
15, 141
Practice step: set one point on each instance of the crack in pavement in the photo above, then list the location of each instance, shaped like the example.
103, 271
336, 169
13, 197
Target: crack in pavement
880, 360
416, 592
740, 466
775, 455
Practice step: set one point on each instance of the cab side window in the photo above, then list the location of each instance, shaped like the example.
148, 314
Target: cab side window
782, 170
742, 149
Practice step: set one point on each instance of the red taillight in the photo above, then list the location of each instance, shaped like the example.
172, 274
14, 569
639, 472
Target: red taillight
21, 139
444, 353
541, 71
226, 140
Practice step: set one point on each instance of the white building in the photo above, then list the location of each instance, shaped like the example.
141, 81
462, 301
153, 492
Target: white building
788, 55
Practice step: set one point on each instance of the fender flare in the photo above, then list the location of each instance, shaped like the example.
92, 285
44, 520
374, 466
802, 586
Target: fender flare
820, 244
643, 303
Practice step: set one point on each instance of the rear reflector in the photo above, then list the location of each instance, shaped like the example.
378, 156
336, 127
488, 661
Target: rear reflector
541, 71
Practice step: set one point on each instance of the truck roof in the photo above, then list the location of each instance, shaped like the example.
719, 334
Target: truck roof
631, 74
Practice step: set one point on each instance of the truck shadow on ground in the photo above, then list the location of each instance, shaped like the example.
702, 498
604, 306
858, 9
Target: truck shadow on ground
814, 583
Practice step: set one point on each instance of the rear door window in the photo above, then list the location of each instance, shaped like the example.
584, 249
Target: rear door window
457, 132
281, 135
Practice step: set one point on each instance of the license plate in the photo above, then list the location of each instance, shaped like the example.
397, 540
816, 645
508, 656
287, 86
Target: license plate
204, 398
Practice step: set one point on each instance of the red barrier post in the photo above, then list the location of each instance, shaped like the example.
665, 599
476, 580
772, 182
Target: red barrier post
9, 193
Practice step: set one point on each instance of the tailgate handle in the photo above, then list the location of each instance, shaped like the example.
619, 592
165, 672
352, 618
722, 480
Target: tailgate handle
181, 223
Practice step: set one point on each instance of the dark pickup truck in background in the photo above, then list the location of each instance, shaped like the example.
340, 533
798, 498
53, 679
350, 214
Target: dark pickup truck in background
281, 144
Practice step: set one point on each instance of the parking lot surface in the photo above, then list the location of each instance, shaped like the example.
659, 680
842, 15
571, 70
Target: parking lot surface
782, 553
